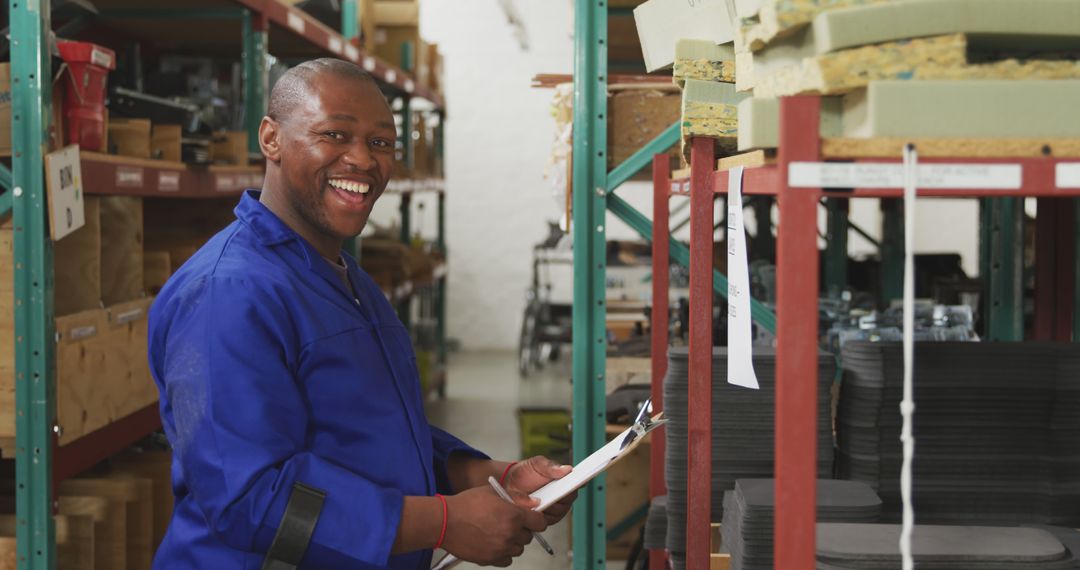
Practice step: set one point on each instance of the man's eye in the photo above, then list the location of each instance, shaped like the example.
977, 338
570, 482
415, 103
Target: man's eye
336, 135
381, 143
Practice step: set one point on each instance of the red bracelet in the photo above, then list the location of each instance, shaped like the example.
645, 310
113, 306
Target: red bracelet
442, 533
502, 480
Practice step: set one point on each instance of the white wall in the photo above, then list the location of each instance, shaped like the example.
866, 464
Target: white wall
498, 140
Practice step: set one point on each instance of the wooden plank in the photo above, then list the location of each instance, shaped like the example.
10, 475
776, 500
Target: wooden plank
135, 500
110, 526
720, 562
121, 248
155, 465
83, 388
940, 57
74, 540
77, 264
750, 159
8, 554
950, 147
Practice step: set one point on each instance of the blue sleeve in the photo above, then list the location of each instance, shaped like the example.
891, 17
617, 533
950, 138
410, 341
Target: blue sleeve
445, 445
240, 427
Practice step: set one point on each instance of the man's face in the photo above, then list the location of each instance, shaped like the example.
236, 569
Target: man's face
336, 155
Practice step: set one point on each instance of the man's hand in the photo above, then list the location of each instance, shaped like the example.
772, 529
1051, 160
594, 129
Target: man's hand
483, 528
535, 472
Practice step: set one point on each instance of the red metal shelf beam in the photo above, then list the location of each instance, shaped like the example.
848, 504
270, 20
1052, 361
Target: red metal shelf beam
318, 34
117, 175
797, 346
87, 451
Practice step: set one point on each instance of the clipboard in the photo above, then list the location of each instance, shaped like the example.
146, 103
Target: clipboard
601, 460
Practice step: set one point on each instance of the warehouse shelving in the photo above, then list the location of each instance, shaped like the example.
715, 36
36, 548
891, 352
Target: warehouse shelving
242, 28
1057, 304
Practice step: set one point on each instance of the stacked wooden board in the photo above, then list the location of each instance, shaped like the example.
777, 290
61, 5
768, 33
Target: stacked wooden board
913, 68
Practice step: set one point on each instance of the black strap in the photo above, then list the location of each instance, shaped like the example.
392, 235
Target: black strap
297, 525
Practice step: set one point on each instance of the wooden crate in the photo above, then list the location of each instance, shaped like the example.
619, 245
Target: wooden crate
128, 370
157, 268
110, 528
133, 499
83, 386
121, 248
155, 465
129, 137
77, 263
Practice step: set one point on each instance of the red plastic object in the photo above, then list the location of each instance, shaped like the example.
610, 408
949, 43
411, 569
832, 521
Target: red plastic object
88, 68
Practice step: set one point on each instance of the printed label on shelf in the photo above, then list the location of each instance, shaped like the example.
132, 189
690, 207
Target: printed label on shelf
1067, 174
409, 86
296, 22
63, 180
391, 76
352, 52
335, 44
883, 175
225, 182
129, 176
168, 181
740, 362
369, 64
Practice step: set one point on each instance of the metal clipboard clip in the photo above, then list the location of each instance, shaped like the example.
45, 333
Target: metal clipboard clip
642, 425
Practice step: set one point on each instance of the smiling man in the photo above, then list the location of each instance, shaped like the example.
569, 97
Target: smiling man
288, 386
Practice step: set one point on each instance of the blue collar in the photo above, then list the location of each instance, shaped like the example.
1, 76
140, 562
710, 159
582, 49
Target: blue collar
267, 226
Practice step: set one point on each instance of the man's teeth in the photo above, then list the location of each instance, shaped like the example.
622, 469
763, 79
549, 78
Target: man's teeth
357, 187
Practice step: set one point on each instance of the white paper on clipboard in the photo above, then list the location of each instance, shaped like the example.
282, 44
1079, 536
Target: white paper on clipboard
740, 361
600, 460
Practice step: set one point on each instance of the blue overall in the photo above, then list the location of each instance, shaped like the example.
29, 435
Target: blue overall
271, 372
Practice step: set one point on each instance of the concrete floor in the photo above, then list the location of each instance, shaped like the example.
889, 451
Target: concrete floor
483, 394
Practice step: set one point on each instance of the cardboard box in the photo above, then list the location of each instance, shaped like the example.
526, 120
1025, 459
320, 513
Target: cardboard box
165, 142
397, 13
129, 137
230, 147
5, 109
662, 23
637, 116
398, 45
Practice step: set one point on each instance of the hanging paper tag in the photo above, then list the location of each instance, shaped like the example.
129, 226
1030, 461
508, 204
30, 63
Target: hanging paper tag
740, 361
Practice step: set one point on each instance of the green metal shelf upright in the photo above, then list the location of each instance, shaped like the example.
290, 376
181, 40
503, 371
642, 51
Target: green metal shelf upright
39, 463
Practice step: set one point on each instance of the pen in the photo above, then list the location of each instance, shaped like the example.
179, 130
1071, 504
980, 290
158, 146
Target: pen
506, 496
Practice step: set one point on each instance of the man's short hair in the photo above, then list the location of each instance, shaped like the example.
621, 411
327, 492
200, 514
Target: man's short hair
291, 88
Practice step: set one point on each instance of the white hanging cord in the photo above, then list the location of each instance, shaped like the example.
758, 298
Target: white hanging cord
907, 406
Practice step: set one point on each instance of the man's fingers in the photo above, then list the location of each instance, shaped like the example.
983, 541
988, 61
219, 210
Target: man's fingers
534, 521
548, 468
524, 501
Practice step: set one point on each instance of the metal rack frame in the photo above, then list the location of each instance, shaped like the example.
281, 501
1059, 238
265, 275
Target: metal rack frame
1057, 303
39, 462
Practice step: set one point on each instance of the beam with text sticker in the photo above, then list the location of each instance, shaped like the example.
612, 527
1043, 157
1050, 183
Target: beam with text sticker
601, 460
740, 361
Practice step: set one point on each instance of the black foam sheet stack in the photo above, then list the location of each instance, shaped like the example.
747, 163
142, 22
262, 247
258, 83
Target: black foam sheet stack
743, 428
656, 524
747, 529
845, 546
997, 429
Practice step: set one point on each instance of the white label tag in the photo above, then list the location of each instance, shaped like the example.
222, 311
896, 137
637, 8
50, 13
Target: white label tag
335, 44
391, 76
129, 176
740, 366
101, 58
63, 172
881, 175
296, 22
1068, 174
225, 183
351, 52
168, 181
369, 64
409, 86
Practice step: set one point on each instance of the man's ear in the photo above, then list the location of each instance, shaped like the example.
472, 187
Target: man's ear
269, 139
